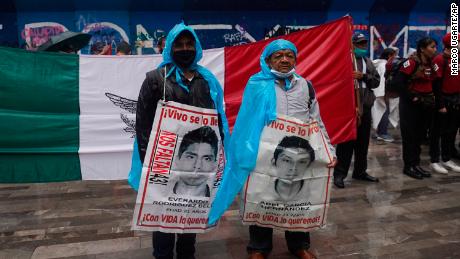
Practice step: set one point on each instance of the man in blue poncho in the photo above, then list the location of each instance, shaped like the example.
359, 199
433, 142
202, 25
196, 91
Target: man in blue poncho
186, 83
275, 90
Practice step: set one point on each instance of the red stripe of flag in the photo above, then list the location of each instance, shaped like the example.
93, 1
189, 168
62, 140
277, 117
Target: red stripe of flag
324, 58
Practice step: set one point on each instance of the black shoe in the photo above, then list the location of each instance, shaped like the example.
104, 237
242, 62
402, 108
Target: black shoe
366, 177
412, 172
338, 182
422, 171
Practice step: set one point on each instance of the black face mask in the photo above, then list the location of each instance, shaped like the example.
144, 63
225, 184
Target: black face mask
184, 58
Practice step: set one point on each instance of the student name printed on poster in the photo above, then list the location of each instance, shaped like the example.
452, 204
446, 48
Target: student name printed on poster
182, 170
290, 186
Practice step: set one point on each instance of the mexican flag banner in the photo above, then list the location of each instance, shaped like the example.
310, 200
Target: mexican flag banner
70, 117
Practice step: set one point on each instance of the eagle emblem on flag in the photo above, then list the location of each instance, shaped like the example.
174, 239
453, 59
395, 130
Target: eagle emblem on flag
127, 105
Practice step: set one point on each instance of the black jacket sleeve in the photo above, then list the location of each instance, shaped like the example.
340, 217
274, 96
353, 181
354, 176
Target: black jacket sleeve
149, 96
372, 77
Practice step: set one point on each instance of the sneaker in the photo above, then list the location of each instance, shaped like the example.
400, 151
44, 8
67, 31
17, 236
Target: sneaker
385, 137
451, 166
438, 168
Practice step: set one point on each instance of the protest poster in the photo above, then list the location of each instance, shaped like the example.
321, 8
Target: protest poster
182, 169
289, 188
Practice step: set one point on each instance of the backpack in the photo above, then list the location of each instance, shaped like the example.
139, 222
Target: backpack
392, 89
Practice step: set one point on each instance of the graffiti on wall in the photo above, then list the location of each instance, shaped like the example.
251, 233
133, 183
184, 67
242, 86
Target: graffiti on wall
147, 42
35, 34
404, 39
211, 36
279, 30
219, 35
107, 33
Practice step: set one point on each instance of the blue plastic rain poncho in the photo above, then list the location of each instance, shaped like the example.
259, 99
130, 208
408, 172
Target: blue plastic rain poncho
257, 110
215, 91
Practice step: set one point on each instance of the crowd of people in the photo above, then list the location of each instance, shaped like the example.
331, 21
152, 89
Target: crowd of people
428, 97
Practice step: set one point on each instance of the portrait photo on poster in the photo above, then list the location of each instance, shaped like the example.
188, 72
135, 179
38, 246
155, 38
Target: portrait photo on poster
288, 188
291, 165
184, 169
291, 159
195, 163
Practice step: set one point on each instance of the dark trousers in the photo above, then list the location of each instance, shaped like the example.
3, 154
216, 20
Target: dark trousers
260, 240
163, 245
359, 146
382, 128
414, 121
443, 127
453, 149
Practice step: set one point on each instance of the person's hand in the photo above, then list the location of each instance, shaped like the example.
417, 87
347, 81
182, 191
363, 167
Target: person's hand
333, 163
443, 110
357, 75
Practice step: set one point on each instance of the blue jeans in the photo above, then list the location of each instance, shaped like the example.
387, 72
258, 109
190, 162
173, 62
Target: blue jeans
163, 245
260, 240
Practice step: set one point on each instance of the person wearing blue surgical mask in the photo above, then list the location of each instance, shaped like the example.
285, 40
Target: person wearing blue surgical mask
366, 78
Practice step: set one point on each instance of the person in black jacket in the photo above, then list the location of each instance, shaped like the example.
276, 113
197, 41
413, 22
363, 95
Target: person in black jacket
368, 79
184, 84
416, 104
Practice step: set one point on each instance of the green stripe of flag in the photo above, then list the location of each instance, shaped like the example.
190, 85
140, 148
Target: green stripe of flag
39, 116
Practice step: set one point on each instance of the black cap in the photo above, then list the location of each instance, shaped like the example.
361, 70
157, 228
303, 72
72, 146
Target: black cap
358, 37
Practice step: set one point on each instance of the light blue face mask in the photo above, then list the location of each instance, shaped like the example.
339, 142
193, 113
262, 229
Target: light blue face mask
283, 75
360, 52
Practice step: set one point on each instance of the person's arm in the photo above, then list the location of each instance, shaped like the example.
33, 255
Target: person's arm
371, 77
145, 113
